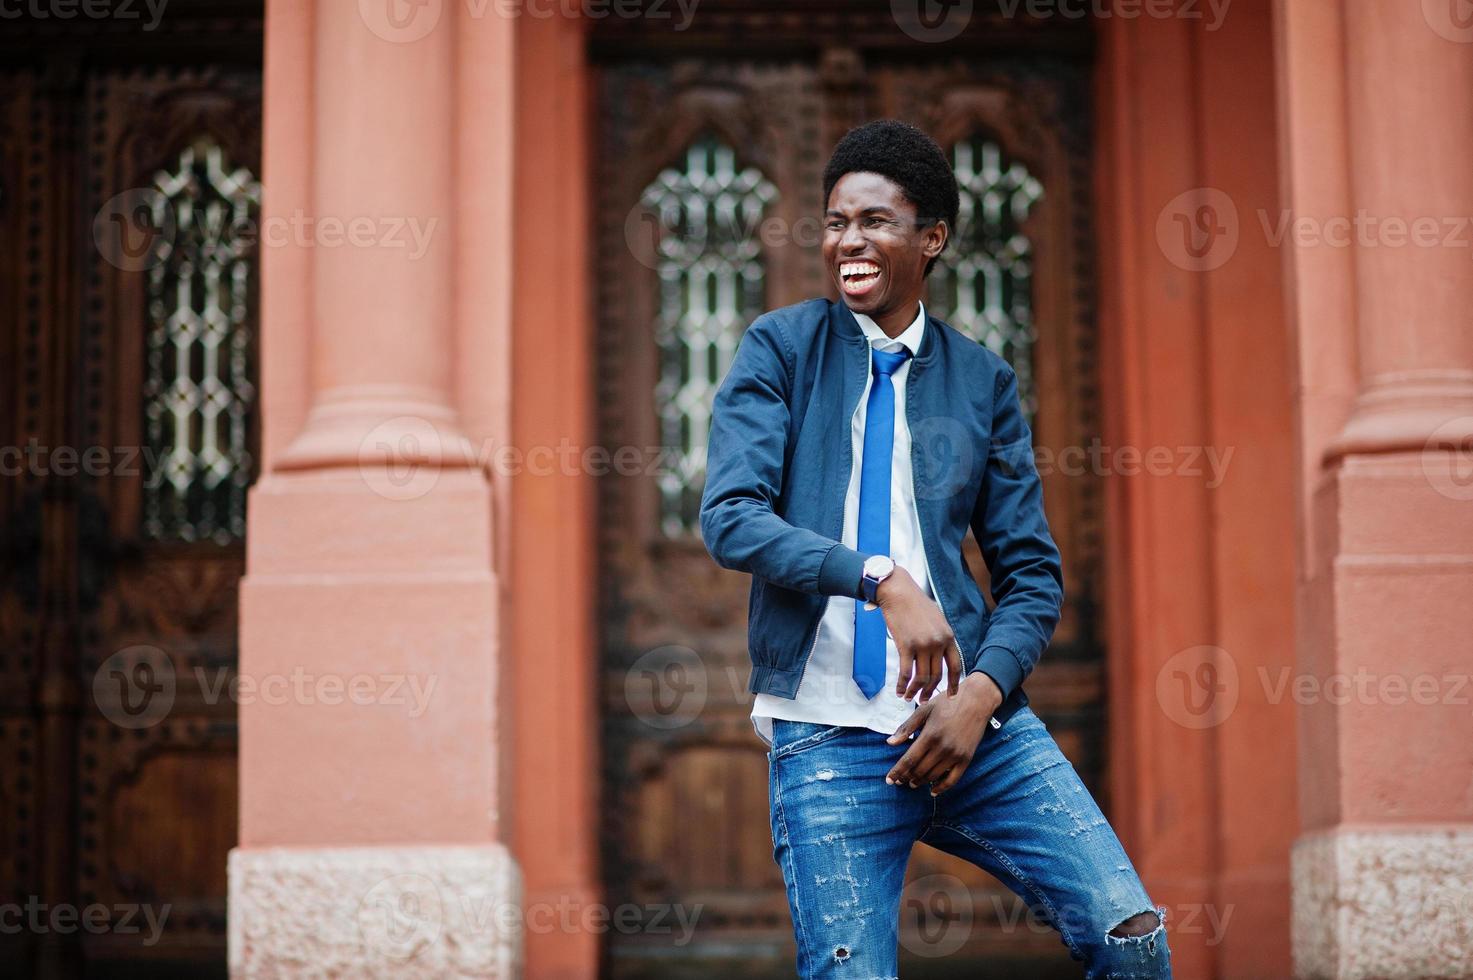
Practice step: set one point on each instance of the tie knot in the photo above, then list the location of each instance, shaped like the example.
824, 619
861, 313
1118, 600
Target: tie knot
888, 362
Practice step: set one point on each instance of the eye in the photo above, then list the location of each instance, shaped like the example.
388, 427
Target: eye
835, 225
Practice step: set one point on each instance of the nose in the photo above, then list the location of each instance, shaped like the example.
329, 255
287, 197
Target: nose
852, 240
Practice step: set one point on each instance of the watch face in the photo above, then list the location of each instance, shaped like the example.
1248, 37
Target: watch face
878, 566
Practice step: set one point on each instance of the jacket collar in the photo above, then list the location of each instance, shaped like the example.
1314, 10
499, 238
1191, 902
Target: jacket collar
842, 323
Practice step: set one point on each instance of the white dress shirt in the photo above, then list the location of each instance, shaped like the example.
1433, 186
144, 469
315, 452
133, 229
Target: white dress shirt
827, 694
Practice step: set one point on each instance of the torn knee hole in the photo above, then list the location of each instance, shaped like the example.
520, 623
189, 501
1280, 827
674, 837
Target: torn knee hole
1140, 924
841, 954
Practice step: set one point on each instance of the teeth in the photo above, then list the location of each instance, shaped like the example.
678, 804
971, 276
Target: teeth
858, 269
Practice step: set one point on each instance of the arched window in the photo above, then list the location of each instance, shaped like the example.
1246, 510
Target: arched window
708, 259
983, 284
197, 388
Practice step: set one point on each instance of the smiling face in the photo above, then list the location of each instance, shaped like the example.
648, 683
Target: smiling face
875, 251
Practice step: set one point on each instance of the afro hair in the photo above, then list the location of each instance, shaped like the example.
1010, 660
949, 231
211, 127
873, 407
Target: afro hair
902, 153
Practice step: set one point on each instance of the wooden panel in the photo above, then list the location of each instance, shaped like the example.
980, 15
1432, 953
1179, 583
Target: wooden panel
117, 791
168, 773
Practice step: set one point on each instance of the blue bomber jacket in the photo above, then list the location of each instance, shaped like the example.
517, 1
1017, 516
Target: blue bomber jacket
778, 468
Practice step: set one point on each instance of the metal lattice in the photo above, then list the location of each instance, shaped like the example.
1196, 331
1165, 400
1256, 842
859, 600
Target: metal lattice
983, 284
197, 390
711, 275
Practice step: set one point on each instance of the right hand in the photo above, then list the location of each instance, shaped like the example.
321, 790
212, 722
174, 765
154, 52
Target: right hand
922, 635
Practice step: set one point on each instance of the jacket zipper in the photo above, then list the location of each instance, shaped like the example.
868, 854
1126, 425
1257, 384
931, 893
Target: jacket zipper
925, 551
839, 536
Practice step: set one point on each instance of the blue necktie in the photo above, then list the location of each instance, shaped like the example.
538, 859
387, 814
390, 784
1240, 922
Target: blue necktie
874, 513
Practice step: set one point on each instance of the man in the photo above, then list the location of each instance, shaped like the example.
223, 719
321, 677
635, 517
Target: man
852, 445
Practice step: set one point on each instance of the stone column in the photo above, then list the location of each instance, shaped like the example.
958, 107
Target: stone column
1383, 872
369, 839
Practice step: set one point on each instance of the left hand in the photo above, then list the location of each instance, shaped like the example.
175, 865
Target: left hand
950, 727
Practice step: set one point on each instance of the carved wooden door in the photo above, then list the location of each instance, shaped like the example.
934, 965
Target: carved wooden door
708, 213
128, 208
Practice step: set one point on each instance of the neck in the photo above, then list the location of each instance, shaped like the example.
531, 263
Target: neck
895, 323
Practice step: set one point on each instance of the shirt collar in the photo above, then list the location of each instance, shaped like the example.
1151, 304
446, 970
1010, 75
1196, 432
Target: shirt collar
910, 337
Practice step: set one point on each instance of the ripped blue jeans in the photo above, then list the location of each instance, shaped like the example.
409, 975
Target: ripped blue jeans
843, 837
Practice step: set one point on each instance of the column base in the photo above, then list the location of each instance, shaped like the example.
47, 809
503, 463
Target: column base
1384, 903
434, 911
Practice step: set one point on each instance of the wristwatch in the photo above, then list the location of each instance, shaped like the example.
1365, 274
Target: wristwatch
877, 568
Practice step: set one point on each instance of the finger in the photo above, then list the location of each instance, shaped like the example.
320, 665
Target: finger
932, 767
952, 777
927, 753
900, 773
953, 669
933, 681
918, 679
907, 663
910, 724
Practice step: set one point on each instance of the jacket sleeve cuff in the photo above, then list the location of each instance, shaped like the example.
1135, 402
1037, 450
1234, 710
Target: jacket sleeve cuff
999, 663
841, 571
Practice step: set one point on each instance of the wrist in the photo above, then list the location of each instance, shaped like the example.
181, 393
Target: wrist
893, 586
980, 688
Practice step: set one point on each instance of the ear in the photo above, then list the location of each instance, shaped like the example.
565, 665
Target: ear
935, 239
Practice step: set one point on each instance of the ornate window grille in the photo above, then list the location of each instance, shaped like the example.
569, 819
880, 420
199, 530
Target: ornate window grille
709, 263
983, 284
198, 390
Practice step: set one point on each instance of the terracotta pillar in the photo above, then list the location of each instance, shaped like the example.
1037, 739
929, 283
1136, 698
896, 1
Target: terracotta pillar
555, 776
369, 777
1377, 121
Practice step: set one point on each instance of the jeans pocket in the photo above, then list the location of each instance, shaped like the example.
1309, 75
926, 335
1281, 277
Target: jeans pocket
791, 737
